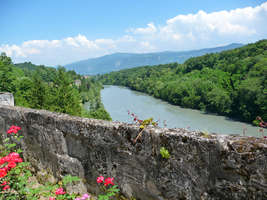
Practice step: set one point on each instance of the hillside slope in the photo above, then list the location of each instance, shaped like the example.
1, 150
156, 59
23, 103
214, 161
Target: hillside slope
231, 83
118, 61
41, 87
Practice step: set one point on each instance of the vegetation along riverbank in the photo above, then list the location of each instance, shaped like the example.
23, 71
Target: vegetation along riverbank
231, 83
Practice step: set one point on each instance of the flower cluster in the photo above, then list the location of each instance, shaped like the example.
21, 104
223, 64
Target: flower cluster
7, 163
13, 129
60, 191
10, 161
145, 122
262, 123
108, 181
259, 122
135, 117
109, 191
84, 197
5, 185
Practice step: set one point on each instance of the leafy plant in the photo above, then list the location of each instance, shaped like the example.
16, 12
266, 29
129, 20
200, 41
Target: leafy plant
142, 124
15, 175
205, 134
107, 188
164, 153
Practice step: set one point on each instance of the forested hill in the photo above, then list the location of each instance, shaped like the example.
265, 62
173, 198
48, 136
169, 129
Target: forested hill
118, 61
48, 88
231, 83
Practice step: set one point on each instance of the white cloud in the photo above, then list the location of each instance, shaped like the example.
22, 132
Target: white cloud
12, 50
151, 28
182, 32
106, 43
41, 43
71, 41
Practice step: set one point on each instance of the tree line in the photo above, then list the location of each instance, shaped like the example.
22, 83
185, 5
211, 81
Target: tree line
54, 89
231, 83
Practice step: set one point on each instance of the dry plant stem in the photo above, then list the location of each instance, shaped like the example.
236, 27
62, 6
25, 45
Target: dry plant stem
139, 135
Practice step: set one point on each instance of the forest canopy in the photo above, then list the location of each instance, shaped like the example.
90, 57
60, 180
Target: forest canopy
231, 83
54, 89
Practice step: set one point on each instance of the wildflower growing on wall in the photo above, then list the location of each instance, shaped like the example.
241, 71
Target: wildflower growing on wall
2, 172
109, 181
84, 197
100, 179
15, 174
6, 187
13, 129
60, 191
109, 190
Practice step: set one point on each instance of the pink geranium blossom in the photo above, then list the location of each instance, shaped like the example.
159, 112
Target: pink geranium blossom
109, 181
60, 191
100, 179
13, 129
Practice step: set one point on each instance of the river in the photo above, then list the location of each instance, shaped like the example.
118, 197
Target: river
119, 100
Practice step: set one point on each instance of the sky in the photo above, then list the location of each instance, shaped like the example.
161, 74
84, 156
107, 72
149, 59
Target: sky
59, 32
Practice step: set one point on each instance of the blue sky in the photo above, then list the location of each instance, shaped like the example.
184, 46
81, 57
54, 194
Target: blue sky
63, 31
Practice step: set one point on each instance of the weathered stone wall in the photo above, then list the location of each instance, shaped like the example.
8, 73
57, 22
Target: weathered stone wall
200, 167
6, 99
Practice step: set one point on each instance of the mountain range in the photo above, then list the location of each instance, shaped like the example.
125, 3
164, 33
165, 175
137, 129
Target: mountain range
119, 61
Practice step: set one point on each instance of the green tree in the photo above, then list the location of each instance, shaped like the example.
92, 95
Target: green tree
6, 74
38, 93
65, 98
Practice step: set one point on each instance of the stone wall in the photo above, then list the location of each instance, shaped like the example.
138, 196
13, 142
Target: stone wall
201, 166
6, 99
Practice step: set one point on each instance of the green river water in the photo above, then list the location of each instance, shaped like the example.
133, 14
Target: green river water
118, 100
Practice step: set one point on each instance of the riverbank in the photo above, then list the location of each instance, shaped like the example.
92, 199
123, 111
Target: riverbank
118, 100
230, 83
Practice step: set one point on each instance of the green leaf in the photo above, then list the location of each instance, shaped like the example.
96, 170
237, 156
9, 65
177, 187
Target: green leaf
164, 153
69, 179
17, 171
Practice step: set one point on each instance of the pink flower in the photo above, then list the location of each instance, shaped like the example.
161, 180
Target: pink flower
2, 161
85, 196
109, 181
60, 191
6, 187
100, 179
4, 183
52, 198
3, 172
11, 164
18, 160
13, 129
14, 155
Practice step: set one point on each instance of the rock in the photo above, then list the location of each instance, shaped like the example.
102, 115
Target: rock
6, 99
199, 167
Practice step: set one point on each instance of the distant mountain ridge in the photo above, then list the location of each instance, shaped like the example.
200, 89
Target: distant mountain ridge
118, 61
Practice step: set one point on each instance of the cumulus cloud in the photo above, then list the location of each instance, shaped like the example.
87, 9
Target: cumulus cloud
202, 29
182, 32
151, 28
